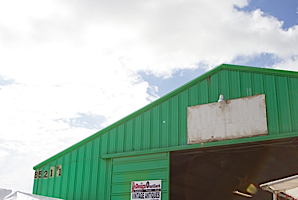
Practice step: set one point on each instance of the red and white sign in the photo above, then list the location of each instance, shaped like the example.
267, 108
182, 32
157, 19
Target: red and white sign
150, 190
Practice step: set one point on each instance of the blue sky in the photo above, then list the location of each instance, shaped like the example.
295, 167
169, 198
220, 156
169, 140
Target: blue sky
71, 68
285, 11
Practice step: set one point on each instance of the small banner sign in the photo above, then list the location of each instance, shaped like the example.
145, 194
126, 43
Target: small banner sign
150, 190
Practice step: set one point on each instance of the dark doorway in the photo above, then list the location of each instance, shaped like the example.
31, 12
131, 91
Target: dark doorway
214, 173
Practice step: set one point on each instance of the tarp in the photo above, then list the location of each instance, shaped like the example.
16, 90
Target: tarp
17, 195
288, 186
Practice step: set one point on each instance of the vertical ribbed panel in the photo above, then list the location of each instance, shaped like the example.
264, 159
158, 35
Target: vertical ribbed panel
182, 116
87, 168
137, 133
95, 170
164, 123
235, 87
293, 93
139, 168
112, 141
128, 139
65, 177
224, 86
120, 138
85, 175
72, 175
283, 104
78, 185
146, 130
271, 104
155, 127
174, 122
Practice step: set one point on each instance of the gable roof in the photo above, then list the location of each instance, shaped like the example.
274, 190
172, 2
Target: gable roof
170, 95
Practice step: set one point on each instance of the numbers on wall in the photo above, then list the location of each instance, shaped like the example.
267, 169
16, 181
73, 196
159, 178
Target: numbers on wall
36, 174
39, 173
48, 173
45, 174
52, 172
58, 170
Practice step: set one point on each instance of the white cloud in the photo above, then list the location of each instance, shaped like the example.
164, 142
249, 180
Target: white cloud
63, 58
289, 63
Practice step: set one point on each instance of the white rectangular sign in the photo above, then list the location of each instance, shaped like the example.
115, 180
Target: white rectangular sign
237, 118
150, 190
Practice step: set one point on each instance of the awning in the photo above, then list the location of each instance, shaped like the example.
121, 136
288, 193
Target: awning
287, 186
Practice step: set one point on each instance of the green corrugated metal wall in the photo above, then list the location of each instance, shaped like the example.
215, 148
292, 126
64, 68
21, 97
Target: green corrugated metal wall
139, 168
164, 124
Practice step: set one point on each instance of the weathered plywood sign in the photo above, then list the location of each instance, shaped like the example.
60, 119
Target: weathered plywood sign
237, 118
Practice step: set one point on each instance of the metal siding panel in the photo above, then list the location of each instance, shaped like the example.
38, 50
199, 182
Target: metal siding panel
213, 89
118, 177
235, 91
55, 182
293, 93
103, 169
87, 168
112, 141
203, 92
224, 83
108, 179
65, 178
146, 167
271, 104
35, 185
50, 181
95, 175
257, 83
120, 138
193, 95
155, 131
44, 190
104, 143
283, 104
165, 124
79, 172
174, 122
183, 104
102, 179
105, 179
128, 136
72, 175
245, 83
147, 130
39, 183
137, 134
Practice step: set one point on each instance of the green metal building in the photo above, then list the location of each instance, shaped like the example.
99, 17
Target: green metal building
154, 143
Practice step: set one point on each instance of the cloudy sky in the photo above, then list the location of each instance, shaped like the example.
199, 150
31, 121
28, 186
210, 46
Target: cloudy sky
70, 68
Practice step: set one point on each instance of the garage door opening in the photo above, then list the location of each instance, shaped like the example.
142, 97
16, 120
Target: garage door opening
231, 172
